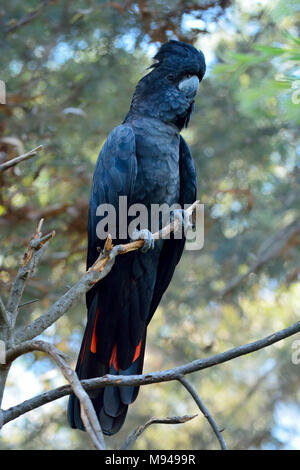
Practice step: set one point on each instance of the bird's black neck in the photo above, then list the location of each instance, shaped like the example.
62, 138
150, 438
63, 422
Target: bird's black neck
161, 111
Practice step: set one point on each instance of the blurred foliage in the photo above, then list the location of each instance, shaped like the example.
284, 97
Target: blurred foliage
70, 69
279, 88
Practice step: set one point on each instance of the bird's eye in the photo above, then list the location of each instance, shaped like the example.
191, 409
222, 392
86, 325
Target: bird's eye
171, 77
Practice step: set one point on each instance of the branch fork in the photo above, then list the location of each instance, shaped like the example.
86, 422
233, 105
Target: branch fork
21, 341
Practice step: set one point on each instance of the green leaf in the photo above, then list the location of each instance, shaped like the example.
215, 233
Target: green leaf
287, 35
271, 50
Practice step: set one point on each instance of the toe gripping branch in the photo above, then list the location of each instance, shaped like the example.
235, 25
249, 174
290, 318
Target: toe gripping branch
183, 218
180, 215
145, 235
144, 239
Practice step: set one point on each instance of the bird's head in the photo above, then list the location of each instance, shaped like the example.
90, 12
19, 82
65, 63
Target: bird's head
169, 90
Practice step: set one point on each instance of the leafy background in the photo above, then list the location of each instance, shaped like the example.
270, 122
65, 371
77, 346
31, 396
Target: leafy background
70, 69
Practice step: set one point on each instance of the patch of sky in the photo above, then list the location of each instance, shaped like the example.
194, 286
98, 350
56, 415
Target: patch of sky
150, 49
287, 425
267, 366
97, 34
236, 206
127, 41
267, 188
61, 54
82, 44
267, 293
15, 67
189, 22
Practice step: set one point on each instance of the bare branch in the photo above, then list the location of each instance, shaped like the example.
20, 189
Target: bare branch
29, 302
136, 433
4, 317
153, 377
98, 271
88, 414
32, 256
15, 161
28, 18
270, 249
204, 410
64, 303
33, 403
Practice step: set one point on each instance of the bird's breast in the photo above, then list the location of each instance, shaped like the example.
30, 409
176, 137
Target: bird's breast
157, 150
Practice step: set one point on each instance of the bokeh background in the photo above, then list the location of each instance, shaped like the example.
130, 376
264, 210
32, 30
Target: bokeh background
70, 69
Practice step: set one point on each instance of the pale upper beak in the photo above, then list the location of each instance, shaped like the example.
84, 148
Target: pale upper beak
189, 86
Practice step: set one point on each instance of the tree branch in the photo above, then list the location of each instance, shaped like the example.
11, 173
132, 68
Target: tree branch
87, 411
35, 249
4, 317
98, 271
28, 18
150, 378
189, 387
270, 249
136, 433
65, 302
15, 161
29, 302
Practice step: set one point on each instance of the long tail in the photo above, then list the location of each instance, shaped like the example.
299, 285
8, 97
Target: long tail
110, 403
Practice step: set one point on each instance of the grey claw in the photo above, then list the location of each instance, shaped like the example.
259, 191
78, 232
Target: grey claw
183, 217
145, 235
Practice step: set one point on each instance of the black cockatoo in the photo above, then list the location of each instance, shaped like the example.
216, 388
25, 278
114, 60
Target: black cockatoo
147, 160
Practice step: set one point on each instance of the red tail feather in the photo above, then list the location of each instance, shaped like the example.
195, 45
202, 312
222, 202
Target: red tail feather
113, 359
84, 344
137, 351
94, 337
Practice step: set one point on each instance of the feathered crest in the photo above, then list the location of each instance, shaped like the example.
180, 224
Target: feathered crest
175, 48
174, 53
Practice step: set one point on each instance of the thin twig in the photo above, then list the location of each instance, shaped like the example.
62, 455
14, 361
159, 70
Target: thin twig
153, 377
204, 410
136, 433
270, 249
15, 161
28, 302
27, 18
32, 256
88, 414
4, 317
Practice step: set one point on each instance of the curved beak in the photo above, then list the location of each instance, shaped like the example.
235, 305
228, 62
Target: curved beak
189, 86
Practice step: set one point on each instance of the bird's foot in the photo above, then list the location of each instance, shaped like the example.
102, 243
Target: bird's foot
145, 235
183, 217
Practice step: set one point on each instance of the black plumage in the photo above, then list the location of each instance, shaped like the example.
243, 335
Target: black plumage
147, 160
